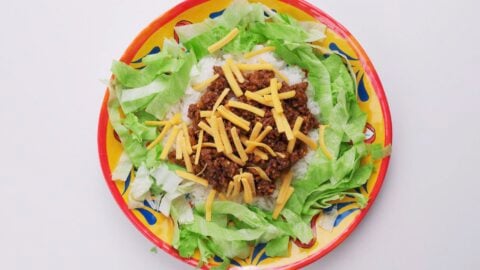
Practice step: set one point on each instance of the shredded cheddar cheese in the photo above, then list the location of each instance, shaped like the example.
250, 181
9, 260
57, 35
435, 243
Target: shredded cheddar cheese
246, 107
216, 134
277, 104
160, 137
205, 144
186, 156
188, 145
237, 186
278, 121
206, 114
169, 143
206, 128
178, 147
176, 119
208, 205
259, 139
267, 91
296, 127
257, 98
256, 131
323, 145
283, 194
227, 71
247, 190
238, 145
235, 119
279, 207
262, 145
251, 182
220, 99
223, 135
261, 173
230, 187
200, 86
258, 52
307, 140
192, 177
199, 148
236, 71
224, 41
156, 123
262, 155
235, 159
286, 127
281, 96
255, 67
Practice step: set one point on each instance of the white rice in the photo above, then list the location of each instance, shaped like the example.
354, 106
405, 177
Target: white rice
204, 71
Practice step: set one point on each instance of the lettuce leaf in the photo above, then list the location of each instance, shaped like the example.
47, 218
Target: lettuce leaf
278, 247
123, 168
176, 86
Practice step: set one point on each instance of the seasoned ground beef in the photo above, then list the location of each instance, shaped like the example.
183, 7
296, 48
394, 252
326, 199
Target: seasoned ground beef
216, 167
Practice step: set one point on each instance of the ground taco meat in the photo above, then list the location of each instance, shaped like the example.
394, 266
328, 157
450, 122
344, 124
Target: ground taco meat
216, 167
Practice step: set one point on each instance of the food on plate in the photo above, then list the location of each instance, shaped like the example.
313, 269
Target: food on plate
241, 132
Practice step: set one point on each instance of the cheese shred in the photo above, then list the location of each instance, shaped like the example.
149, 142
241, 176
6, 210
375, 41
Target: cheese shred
246, 107
277, 104
258, 52
259, 139
200, 86
238, 145
307, 140
284, 194
216, 134
323, 145
209, 204
160, 137
296, 127
258, 98
256, 131
220, 99
206, 128
224, 41
199, 148
235, 119
188, 144
178, 147
169, 143
223, 135
262, 145
192, 177
236, 71
231, 80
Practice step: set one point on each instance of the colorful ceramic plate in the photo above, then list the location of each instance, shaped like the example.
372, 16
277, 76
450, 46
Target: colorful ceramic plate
371, 97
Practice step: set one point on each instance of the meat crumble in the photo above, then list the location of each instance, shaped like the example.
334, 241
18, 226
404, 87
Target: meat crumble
220, 170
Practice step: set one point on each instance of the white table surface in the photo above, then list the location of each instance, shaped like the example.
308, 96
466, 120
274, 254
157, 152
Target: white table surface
57, 212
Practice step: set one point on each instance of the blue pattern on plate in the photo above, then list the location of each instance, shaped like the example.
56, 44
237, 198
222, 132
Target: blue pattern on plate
334, 47
216, 14
343, 215
127, 183
149, 217
362, 90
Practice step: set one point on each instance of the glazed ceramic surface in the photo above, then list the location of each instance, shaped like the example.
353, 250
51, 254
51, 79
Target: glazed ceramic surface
371, 97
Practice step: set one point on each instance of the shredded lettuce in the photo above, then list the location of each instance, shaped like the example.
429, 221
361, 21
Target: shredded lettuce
278, 247
123, 169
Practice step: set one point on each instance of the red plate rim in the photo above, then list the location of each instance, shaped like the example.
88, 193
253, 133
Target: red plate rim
314, 12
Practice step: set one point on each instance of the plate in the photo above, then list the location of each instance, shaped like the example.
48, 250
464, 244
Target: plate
158, 229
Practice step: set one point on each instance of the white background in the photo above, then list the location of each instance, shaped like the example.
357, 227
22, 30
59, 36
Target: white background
57, 213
